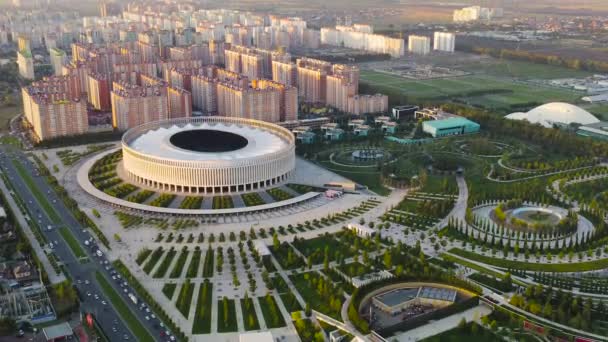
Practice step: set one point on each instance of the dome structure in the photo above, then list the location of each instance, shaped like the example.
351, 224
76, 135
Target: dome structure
558, 113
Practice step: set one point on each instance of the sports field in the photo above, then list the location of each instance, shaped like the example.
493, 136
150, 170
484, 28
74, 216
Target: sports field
509, 93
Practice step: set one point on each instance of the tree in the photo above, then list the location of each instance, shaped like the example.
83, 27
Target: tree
275, 242
462, 324
388, 262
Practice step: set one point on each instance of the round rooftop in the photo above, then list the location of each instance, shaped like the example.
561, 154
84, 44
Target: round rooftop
207, 141
555, 113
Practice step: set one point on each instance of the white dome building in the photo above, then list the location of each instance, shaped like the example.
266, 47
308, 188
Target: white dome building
559, 113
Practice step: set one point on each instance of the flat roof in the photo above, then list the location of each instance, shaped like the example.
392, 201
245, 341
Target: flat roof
437, 293
57, 331
450, 122
398, 296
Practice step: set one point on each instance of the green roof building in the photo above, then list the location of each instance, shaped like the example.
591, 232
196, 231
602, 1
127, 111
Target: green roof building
450, 126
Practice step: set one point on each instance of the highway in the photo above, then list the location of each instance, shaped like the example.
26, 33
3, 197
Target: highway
94, 300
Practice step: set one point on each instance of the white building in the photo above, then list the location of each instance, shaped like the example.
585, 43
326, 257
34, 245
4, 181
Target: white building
444, 41
26, 64
419, 45
58, 58
474, 13
359, 37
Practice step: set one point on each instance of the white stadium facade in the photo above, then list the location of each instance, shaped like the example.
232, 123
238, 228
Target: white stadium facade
208, 155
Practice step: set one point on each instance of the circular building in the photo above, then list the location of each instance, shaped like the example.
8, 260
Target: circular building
208, 155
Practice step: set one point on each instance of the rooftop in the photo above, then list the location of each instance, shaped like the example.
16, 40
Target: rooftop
450, 122
398, 296
57, 331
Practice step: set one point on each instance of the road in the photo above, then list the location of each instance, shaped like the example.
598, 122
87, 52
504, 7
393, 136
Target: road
83, 274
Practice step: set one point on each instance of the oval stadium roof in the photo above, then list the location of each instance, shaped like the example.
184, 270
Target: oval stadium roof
555, 113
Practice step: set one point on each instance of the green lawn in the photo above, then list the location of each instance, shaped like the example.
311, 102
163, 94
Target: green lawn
169, 289
524, 70
73, 243
39, 195
123, 310
533, 266
250, 318
510, 91
202, 315
270, 311
226, 313
184, 298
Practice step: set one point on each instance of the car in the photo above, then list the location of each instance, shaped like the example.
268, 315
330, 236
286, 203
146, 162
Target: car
125, 337
172, 338
147, 318
87, 282
148, 310
107, 268
125, 290
113, 277
114, 329
88, 294
103, 302
153, 316
96, 296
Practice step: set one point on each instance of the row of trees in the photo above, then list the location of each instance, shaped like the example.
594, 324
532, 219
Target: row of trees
561, 307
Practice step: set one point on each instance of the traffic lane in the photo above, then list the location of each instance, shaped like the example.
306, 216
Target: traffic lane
64, 254
153, 325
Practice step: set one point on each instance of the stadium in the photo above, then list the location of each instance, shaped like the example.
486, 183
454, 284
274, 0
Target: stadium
208, 155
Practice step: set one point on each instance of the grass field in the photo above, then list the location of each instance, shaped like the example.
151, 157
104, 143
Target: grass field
226, 316
123, 310
523, 70
73, 243
514, 93
250, 318
202, 315
40, 196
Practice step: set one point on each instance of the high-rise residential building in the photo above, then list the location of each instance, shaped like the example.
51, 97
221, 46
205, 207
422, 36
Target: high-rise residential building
363, 104
24, 43
204, 94
133, 105
358, 37
444, 41
180, 103
99, 91
288, 97
58, 58
25, 61
285, 73
420, 45
254, 63
53, 109
339, 90
312, 74
474, 13
350, 72
250, 103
